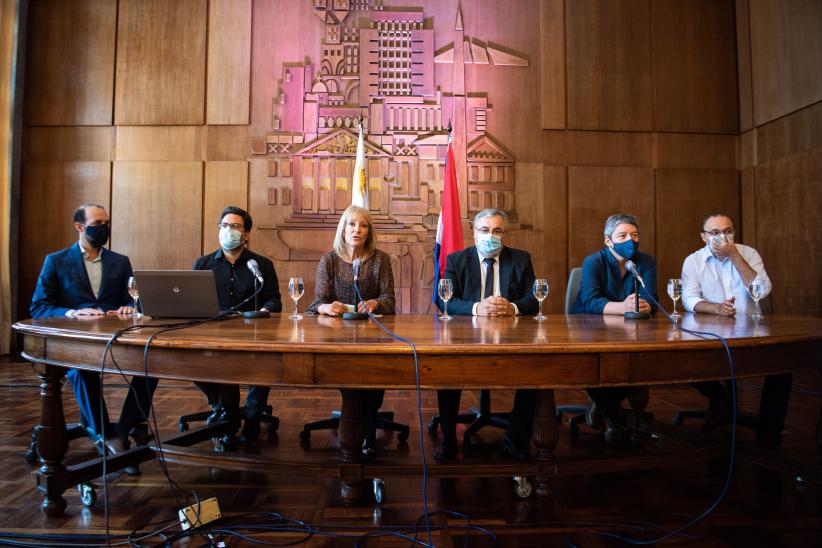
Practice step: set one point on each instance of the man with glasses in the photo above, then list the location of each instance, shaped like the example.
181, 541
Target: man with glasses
489, 280
235, 291
715, 280
84, 281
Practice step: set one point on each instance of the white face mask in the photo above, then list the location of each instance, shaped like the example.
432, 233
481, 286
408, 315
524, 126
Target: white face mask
230, 239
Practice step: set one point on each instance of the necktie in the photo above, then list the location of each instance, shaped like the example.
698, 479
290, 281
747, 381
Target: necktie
490, 276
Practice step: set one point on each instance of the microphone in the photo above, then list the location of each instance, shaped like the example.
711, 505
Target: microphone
631, 267
355, 315
356, 269
255, 269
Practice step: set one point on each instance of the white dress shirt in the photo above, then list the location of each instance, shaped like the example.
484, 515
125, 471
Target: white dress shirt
706, 278
484, 276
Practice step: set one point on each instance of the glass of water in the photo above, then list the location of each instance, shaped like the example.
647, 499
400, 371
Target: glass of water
540, 293
445, 289
296, 289
756, 290
135, 294
675, 292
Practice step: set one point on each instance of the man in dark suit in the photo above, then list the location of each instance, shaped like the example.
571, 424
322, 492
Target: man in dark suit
235, 291
497, 281
88, 280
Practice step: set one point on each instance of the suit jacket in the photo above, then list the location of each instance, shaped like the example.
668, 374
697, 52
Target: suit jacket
516, 280
63, 284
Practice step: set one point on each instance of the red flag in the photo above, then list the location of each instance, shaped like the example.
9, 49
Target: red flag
449, 228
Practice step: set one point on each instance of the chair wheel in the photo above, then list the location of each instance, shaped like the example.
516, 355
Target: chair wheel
523, 488
432, 428
402, 436
275, 424
88, 495
305, 435
30, 456
379, 490
183, 426
677, 420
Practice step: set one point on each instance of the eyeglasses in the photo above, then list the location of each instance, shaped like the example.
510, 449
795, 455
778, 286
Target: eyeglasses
100, 223
486, 230
232, 226
726, 232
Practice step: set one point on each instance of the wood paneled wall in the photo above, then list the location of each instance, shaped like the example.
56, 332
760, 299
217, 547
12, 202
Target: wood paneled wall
150, 107
780, 150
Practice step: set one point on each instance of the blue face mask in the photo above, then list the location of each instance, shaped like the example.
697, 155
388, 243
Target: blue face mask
626, 249
230, 239
488, 244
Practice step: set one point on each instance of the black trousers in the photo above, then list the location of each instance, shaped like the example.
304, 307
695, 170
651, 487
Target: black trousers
522, 413
227, 396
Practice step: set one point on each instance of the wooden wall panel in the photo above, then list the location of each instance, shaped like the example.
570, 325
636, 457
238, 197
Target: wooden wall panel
683, 198
70, 62
228, 143
157, 206
161, 62
609, 65
160, 143
695, 76
693, 150
747, 188
743, 52
786, 53
226, 184
798, 132
609, 148
68, 144
53, 190
229, 62
789, 232
594, 193
552, 51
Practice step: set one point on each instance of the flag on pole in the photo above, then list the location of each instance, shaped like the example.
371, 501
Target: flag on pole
449, 226
359, 186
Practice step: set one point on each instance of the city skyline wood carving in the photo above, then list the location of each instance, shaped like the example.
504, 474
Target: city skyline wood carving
377, 66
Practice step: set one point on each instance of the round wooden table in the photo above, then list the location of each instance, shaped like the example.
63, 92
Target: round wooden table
471, 353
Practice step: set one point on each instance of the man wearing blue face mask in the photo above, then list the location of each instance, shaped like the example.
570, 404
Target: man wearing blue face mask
489, 280
87, 280
236, 283
608, 288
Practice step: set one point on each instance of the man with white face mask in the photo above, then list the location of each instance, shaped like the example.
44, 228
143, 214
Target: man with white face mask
489, 280
236, 283
715, 280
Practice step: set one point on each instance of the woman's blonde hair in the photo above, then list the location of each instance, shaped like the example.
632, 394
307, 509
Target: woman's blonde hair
339, 238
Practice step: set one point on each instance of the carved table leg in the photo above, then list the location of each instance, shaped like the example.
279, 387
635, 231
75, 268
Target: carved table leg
52, 439
546, 435
351, 435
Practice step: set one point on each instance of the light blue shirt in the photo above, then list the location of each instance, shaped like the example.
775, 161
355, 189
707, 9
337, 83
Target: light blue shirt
706, 278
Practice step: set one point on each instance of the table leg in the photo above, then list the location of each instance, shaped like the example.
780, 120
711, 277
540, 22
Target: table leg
52, 439
546, 435
351, 435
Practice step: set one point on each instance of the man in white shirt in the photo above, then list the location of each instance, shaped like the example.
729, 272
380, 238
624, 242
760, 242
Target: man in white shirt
715, 280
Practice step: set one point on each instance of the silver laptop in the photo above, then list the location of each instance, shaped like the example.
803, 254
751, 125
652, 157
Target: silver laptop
177, 293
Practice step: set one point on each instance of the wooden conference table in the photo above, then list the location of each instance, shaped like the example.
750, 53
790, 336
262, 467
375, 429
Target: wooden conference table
472, 353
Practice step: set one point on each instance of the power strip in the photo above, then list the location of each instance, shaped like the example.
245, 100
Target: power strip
199, 514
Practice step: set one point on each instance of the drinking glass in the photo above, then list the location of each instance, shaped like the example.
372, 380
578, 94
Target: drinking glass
756, 290
296, 289
675, 292
540, 293
135, 294
445, 289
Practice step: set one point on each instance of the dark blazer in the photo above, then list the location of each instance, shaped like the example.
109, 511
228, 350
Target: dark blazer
63, 284
516, 280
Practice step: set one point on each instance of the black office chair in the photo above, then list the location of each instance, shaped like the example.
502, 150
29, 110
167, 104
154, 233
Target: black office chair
266, 417
476, 418
638, 421
384, 422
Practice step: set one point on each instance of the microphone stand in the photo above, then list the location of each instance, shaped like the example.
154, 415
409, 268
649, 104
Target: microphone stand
355, 315
256, 313
635, 314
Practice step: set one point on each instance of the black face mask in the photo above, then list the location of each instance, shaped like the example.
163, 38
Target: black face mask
97, 235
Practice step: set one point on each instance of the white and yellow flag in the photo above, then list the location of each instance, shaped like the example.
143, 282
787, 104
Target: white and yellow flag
359, 185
